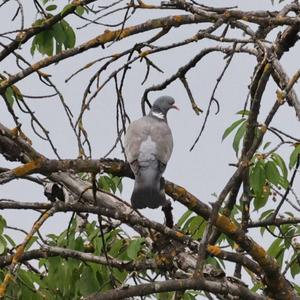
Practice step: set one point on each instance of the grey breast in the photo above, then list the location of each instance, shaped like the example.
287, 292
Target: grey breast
148, 138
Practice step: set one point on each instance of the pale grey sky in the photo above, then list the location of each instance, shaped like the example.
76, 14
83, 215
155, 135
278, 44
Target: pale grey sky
203, 171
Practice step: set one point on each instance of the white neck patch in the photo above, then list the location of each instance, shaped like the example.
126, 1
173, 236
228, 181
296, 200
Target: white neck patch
158, 115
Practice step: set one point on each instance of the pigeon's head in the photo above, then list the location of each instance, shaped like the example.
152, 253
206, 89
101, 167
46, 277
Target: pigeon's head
162, 105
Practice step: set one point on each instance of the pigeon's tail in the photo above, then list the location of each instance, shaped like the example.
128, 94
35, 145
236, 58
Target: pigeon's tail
149, 190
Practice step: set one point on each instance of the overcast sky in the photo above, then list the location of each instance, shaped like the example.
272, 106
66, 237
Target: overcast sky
203, 171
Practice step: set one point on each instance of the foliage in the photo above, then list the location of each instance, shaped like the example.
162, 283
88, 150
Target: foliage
96, 252
70, 278
61, 35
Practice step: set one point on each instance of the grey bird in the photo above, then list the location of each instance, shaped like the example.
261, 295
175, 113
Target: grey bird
148, 147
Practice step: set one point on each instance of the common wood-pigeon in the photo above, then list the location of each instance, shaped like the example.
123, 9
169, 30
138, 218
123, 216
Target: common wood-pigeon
148, 147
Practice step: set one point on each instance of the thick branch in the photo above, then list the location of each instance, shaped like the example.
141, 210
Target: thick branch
47, 251
223, 288
269, 265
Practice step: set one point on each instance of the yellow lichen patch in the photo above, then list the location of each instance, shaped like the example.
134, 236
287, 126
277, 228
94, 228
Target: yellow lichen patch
107, 36
144, 5
162, 260
15, 132
266, 189
280, 96
144, 53
28, 168
225, 224
25, 137
20, 36
4, 83
280, 18
2, 290
181, 192
258, 252
227, 14
179, 234
177, 19
116, 55
124, 33
263, 128
260, 156
169, 188
8, 277
235, 246
213, 249
245, 163
17, 92
193, 201
267, 67
45, 75
18, 254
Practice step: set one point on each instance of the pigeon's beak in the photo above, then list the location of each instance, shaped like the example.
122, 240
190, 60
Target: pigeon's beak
174, 106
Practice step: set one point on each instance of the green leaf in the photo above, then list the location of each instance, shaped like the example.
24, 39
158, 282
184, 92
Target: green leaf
195, 225
280, 163
261, 199
117, 181
88, 282
231, 128
184, 217
9, 95
243, 112
2, 224
257, 180
265, 215
104, 183
272, 173
47, 47
275, 248
115, 248
38, 23
63, 35
10, 240
120, 275
199, 232
266, 145
134, 248
70, 37
43, 42
294, 157
258, 177
51, 7
31, 242
80, 10
280, 256
58, 32
297, 288
284, 182
189, 296
66, 8
238, 137
3, 244
26, 278
295, 267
